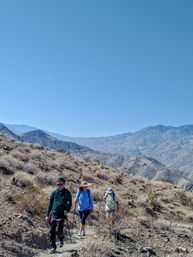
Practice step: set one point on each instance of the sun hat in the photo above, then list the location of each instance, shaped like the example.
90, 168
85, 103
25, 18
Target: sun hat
85, 184
109, 190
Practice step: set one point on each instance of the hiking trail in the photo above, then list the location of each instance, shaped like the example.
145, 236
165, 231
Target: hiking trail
70, 246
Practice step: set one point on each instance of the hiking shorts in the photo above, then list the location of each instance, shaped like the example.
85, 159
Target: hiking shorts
83, 216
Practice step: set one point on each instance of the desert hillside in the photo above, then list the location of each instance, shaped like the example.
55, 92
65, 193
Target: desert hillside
154, 214
142, 165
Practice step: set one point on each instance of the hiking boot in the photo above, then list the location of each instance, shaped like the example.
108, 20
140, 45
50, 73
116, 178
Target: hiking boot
53, 250
83, 233
61, 243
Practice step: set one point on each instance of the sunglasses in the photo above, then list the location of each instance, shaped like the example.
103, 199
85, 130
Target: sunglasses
59, 184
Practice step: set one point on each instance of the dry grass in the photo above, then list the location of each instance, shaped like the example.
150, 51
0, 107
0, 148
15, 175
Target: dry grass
35, 170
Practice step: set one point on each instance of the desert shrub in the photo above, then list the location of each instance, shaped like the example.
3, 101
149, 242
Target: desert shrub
102, 176
64, 165
15, 164
37, 146
43, 180
185, 199
27, 149
19, 156
22, 180
44, 166
53, 166
133, 181
97, 248
87, 159
31, 200
5, 167
119, 179
36, 155
97, 196
112, 180
89, 179
152, 199
9, 198
30, 168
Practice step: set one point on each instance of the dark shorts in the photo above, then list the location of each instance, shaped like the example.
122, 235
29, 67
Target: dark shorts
83, 216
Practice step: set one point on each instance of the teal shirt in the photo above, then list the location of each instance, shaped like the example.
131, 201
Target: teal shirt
60, 201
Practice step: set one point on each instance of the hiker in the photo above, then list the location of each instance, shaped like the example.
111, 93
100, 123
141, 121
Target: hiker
111, 202
85, 205
59, 205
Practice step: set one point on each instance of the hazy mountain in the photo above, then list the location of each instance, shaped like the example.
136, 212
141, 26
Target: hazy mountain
172, 146
19, 129
42, 138
6, 132
141, 165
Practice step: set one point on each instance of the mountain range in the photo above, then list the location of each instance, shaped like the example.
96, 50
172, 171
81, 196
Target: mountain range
154, 152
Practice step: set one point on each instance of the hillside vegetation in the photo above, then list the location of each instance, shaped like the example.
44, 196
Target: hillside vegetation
155, 214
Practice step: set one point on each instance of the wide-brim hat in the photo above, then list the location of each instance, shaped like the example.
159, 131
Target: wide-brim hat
85, 184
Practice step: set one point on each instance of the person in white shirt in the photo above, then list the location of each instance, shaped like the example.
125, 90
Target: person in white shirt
111, 202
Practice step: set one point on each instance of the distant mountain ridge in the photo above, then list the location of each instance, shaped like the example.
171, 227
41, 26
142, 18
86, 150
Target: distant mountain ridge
140, 165
6, 132
172, 146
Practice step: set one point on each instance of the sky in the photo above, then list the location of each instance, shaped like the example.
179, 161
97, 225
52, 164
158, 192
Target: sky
96, 68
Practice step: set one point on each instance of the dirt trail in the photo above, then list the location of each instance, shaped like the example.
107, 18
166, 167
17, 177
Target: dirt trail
71, 246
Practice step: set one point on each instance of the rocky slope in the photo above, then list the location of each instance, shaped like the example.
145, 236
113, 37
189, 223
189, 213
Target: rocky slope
154, 214
172, 146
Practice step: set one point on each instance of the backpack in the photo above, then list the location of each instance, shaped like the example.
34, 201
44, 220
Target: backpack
105, 194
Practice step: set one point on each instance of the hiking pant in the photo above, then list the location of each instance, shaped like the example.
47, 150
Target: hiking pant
83, 215
56, 228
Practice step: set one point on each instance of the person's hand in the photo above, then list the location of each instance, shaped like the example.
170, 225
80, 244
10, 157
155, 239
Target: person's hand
66, 214
46, 219
92, 214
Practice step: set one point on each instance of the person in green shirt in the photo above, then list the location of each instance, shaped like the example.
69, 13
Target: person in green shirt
59, 205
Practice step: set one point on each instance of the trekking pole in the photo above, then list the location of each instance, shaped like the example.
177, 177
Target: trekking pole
74, 216
69, 230
99, 207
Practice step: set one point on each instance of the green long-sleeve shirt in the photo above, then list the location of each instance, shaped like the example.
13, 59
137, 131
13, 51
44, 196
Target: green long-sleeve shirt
60, 201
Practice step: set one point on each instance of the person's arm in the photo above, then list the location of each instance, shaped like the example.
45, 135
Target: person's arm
69, 203
117, 205
117, 202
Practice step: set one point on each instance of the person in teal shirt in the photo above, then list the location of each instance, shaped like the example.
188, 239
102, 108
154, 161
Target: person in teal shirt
59, 205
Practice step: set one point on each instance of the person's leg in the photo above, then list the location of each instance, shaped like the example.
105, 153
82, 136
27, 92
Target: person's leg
81, 213
53, 233
60, 232
85, 215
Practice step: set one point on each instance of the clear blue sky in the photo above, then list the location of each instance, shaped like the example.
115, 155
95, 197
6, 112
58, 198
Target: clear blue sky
92, 68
